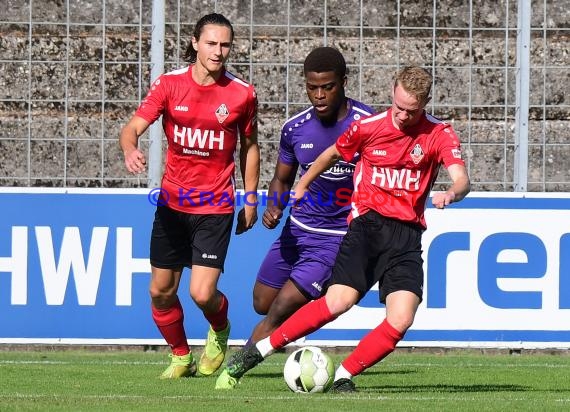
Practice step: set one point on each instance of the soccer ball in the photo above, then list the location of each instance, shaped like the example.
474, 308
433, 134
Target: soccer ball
309, 370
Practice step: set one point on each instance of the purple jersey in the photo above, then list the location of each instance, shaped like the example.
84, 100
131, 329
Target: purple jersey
303, 139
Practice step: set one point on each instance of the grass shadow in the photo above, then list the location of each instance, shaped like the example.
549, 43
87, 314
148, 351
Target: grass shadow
445, 388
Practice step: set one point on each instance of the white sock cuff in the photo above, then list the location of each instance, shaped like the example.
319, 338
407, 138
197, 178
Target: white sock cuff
264, 347
341, 373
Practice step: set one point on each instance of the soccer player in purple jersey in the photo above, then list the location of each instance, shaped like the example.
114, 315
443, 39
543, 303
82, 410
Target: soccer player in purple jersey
299, 263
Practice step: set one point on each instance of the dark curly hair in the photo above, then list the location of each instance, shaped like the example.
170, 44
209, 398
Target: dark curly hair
325, 59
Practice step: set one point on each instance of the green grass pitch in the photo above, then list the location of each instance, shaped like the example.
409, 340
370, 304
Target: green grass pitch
127, 380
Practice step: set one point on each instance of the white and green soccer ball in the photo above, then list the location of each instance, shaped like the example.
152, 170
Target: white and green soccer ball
309, 370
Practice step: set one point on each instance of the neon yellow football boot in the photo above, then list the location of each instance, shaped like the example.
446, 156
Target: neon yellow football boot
238, 364
214, 351
225, 381
180, 367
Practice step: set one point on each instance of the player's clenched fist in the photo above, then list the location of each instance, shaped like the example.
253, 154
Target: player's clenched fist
272, 217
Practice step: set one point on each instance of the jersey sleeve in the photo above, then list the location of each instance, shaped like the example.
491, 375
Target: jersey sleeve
349, 142
248, 122
449, 147
152, 107
286, 149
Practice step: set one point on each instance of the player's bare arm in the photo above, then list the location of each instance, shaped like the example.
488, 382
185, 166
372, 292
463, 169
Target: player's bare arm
278, 193
325, 160
249, 166
135, 160
458, 189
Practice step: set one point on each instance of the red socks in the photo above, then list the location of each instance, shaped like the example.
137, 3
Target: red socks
170, 323
307, 319
374, 347
219, 320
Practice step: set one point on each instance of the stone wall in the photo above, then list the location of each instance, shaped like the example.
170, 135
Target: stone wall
70, 87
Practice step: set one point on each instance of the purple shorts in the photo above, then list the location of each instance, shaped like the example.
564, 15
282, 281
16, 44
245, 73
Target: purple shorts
304, 257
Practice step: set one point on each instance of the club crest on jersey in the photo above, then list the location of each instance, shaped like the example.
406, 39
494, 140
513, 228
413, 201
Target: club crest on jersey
417, 154
222, 113
456, 153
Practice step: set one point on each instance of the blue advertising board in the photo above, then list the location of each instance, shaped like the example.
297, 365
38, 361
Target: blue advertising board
74, 269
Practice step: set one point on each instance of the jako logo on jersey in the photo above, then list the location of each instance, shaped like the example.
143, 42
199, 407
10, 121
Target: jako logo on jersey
206, 256
222, 113
417, 154
181, 108
198, 138
306, 145
396, 178
317, 286
379, 152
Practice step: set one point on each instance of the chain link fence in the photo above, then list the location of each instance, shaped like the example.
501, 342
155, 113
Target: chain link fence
74, 71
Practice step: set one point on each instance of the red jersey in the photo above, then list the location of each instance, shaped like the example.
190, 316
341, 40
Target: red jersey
397, 169
202, 125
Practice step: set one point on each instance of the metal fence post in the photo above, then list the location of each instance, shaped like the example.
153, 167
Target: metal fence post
157, 68
522, 96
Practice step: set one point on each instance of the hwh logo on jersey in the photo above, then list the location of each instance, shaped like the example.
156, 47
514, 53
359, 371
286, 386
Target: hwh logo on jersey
396, 178
198, 138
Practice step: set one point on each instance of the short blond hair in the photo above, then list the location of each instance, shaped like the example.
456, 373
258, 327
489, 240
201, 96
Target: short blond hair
414, 80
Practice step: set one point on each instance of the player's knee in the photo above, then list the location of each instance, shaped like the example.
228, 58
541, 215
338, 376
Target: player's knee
340, 303
261, 305
338, 307
163, 301
158, 294
203, 299
401, 322
260, 310
340, 299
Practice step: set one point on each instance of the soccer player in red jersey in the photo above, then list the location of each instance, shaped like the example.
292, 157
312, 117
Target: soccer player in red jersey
401, 151
204, 109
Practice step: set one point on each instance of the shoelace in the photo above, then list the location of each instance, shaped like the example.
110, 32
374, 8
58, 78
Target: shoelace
216, 342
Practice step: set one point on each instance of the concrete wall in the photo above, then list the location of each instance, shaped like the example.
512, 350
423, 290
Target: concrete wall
83, 81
